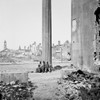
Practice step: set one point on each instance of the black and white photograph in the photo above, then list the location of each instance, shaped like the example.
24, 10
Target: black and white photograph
49, 49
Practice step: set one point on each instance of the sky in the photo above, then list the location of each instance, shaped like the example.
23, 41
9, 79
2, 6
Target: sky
21, 22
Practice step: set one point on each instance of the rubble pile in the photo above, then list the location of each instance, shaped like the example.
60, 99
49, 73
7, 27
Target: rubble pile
58, 67
16, 91
79, 85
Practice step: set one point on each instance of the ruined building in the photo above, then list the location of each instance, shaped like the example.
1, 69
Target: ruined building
86, 34
97, 34
5, 45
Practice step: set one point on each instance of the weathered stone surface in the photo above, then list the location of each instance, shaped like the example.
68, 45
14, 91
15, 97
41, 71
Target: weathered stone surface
46, 31
83, 33
9, 77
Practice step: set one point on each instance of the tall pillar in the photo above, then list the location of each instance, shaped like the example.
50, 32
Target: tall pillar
46, 31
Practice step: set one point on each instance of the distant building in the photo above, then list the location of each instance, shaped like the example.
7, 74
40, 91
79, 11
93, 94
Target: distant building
39, 49
24, 47
34, 48
5, 45
19, 47
62, 51
59, 43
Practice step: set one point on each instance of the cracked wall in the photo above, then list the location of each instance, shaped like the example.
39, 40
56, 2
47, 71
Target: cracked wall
83, 37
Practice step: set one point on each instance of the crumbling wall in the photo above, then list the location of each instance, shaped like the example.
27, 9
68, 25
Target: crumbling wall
9, 77
83, 37
76, 36
97, 34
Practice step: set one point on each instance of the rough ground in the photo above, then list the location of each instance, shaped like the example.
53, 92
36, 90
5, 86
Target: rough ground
46, 85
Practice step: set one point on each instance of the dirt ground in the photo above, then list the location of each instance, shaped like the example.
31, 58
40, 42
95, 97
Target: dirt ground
46, 84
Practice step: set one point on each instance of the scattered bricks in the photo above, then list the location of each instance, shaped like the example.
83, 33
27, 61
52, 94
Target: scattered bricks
80, 85
16, 91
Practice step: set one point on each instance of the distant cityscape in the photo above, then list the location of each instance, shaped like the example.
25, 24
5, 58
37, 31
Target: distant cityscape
33, 52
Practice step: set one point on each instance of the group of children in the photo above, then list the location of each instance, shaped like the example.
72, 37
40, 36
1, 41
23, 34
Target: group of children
44, 67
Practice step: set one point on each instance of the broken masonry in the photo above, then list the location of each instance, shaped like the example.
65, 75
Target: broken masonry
97, 37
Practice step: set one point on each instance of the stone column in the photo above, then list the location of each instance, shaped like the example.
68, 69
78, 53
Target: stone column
46, 31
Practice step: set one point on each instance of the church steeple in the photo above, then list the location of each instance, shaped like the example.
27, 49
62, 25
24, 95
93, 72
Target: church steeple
5, 45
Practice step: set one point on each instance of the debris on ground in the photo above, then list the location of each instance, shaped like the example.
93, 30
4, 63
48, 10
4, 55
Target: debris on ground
16, 90
79, 85
58, 67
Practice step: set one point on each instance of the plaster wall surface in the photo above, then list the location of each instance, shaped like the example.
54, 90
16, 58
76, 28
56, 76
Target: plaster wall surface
82, 37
